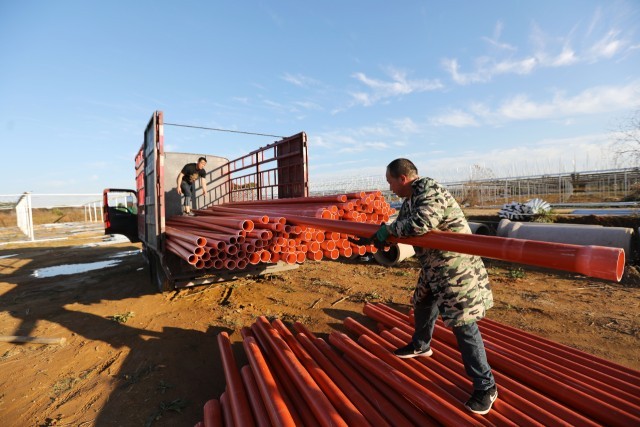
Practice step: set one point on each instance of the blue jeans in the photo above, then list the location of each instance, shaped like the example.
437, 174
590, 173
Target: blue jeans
469, 340
187, 190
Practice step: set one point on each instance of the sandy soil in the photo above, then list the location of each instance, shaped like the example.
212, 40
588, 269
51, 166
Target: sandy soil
135, 357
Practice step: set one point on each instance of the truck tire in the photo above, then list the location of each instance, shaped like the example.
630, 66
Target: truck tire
158, 277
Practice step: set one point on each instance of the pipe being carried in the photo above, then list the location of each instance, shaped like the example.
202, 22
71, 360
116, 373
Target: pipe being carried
595, 261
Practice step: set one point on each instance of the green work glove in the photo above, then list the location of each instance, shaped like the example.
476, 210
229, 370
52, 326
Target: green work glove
383, 233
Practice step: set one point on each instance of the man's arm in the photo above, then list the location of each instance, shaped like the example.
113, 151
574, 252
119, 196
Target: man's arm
203, 183
426, 214
178, 182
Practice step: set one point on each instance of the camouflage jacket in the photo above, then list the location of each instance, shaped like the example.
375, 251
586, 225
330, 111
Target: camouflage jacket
458, 281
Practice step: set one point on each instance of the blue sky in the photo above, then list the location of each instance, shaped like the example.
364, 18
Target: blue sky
515, 87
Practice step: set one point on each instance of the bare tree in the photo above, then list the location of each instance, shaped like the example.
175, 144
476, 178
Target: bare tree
626, 146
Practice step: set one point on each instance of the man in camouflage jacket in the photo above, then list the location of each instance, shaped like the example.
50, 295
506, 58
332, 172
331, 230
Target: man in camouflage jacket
451, 284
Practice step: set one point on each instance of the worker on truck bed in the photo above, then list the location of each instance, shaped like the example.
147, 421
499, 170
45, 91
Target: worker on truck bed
186, 182
451, 284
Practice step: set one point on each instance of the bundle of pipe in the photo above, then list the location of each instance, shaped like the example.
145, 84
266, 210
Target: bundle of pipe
235, 235
300, 379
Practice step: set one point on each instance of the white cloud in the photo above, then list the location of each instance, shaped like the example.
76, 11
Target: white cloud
354, 140
300, 80
398, 85
591, 101
486, 69
565, 58
607, 46
547, 51
600, 99
495, 40
364, 147
406, 125
454, 118
307, 105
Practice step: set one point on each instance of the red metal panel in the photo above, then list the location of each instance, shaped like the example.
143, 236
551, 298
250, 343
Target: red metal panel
276, 171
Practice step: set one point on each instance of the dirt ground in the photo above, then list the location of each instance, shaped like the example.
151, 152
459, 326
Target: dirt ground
134, 357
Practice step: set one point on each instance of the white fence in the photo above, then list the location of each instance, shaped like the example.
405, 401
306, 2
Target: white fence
599, 185
53, 214
24, 217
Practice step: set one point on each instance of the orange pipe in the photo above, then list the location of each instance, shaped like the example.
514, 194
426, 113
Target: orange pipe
196, 250
212, 414
334, 254
187, 237
388, 394
606, 384
263, 219
318, 403
294, 401
258, 243
596, 261
624, 378
313, 246
191, 221
301, 328
345, 252
587, 404
535, 405
255, 400
210, 235
235, 389
354, 395
443, 411
317, 210
328, 245
292, 200
241, 224
291, 258
181, 252
265, 256
274, 226
260, 234
227, 415
248, 247
436, 384
335, 394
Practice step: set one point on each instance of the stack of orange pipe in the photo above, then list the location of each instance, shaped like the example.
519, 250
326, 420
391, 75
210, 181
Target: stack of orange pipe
300, 379
235, 235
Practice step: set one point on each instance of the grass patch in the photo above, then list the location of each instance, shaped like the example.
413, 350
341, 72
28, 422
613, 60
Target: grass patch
63, 385
122, 317
177, 405
517, 273
365, 296
139, 375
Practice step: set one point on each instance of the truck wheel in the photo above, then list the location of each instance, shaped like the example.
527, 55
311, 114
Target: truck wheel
158, 277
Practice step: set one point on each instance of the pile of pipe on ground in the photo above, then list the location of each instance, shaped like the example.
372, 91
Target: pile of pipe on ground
300, 379
235, 235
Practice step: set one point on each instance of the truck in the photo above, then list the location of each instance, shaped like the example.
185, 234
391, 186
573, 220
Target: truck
277, 170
